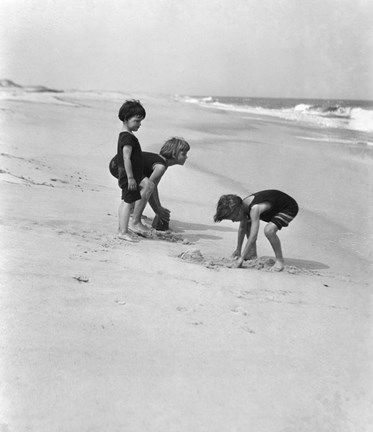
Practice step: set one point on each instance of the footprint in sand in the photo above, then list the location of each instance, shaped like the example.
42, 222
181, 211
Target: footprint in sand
59, 181
240, 310
243, 312
81, 278
248, 330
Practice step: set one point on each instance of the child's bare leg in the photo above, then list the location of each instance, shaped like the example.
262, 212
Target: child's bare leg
147, 188
136, 224
270, 232
121, 209
124, 212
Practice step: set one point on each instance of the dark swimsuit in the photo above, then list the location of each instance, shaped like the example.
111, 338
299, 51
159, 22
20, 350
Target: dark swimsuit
149, 159
127, 139
283, 207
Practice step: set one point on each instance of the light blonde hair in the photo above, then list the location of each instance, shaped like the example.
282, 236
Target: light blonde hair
172, 147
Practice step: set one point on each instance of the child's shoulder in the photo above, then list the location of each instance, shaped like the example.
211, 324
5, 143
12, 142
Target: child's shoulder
249, 199
126, 134
127, 138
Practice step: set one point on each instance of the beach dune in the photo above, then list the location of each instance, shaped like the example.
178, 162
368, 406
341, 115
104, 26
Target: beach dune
102, 335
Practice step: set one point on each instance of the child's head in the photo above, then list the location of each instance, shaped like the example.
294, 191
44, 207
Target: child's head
131, 108
175, 148
229, 207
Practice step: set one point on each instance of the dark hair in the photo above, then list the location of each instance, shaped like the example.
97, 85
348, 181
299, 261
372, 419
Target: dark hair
227, 206
131, 108
172, 147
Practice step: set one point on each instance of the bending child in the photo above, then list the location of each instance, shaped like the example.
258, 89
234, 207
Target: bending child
130, 165
272, 206
173, 152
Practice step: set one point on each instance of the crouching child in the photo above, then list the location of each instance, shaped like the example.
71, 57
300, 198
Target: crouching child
272, 206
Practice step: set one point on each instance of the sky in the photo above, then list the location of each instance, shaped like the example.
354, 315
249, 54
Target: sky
257, 48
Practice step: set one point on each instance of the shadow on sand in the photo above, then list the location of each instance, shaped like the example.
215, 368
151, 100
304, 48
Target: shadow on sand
183, 227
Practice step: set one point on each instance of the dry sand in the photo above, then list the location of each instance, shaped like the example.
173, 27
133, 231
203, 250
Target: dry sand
101, 335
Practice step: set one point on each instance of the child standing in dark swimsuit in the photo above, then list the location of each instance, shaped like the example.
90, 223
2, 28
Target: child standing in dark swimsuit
272, 206
130, 165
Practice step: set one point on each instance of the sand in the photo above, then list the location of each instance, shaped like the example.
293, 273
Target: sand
101, 335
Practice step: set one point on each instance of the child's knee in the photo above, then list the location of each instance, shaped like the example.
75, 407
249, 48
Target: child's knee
151, 187
147, 187
270, 230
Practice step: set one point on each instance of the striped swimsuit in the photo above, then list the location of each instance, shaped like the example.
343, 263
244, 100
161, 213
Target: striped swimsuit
283, 207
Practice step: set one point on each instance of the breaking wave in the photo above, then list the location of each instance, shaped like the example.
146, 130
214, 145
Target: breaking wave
354, 115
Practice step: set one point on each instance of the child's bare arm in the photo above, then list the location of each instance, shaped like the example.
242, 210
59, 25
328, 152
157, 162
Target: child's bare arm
127, 151
157, 173
251, 241
240, 237
156, 177
154, 200
254, 230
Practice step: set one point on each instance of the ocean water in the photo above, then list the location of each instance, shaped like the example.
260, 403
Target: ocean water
350, 120
355, 116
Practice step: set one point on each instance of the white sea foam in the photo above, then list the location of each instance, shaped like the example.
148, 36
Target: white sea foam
324, 115
302, 107
361, 119
338, 140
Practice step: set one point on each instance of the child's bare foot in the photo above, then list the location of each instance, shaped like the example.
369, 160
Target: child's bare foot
139, 228
128, 237
278, 266
237, 263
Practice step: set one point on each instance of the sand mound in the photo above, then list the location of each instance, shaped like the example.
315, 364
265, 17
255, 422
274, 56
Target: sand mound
192, 255
263, 264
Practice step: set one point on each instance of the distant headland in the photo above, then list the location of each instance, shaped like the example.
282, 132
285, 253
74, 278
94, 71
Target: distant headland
7, 84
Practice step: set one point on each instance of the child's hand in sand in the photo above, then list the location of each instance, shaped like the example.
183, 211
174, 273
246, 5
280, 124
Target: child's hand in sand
164, 214
236, 254
237, 263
